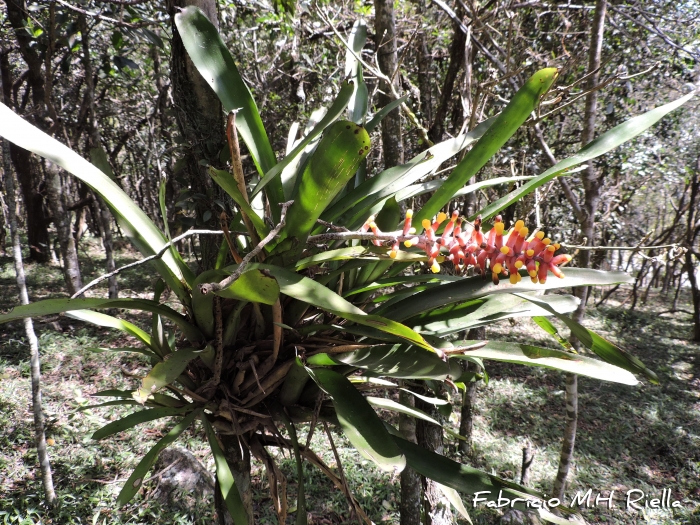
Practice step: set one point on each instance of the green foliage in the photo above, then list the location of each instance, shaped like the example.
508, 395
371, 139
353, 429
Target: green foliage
244, 337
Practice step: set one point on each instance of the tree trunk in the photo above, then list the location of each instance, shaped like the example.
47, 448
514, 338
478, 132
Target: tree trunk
466, 421
25, 167
692, 233
457, 49
199, 118
62, 221
409, 509
35, 365
591, 183
385, 29
436, 507
104, 217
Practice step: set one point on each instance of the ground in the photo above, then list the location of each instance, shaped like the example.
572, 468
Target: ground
645, 437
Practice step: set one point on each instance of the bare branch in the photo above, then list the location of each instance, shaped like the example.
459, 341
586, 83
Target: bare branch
153, 257
215, 287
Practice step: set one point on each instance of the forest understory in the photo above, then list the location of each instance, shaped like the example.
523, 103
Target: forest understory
643, 438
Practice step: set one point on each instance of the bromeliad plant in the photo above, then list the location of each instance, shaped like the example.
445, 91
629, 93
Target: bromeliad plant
308, 319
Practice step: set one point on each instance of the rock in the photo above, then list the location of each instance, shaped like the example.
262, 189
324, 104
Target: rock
180, 479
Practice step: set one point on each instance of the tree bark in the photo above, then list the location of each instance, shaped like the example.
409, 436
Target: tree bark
104, 218
692, 233
62, 221
457, 48
34, 361
591, 183
385, 29
436, 507
466, 421
409, 510
25, 167
199, 117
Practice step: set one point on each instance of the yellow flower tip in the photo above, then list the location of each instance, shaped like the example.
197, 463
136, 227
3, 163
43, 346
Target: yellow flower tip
426, 224
412, 230
497, 268
561, 275
372, 224
556, 245
533, 275
518, 264
533, 279
547, 241
542, 281
530, 252
441, 217
409, 214
518, 225
505, 250
523, 231
407, 243
551, 247
520, 278
455, 216
392, 254
371, 218
568, 257
499, 226
435, 268
514, 278
540, 235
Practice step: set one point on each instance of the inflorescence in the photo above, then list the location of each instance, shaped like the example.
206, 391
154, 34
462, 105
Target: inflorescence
496, 251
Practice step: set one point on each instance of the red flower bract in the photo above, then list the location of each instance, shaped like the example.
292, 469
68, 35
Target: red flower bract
499, 252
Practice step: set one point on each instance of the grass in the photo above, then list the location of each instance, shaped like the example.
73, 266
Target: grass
645, 437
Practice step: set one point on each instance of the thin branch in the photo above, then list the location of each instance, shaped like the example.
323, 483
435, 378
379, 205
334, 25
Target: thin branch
157, 255
624, 248
105, 18
215, 287
380, 76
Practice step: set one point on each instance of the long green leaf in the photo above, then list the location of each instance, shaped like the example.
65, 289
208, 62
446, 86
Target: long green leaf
225, 180
604, 143
133, 484
343, 147
213, 60
142, 351
471, 481
395, 406
606, 350
108, 321
165, 372
227, 484
57, 306
547, 358
400, 361
357, 110
254, 286
475, 287
333, 113
309, 291
136, 418
134, 223
506, 124
359, 421
394, 179
487, 310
